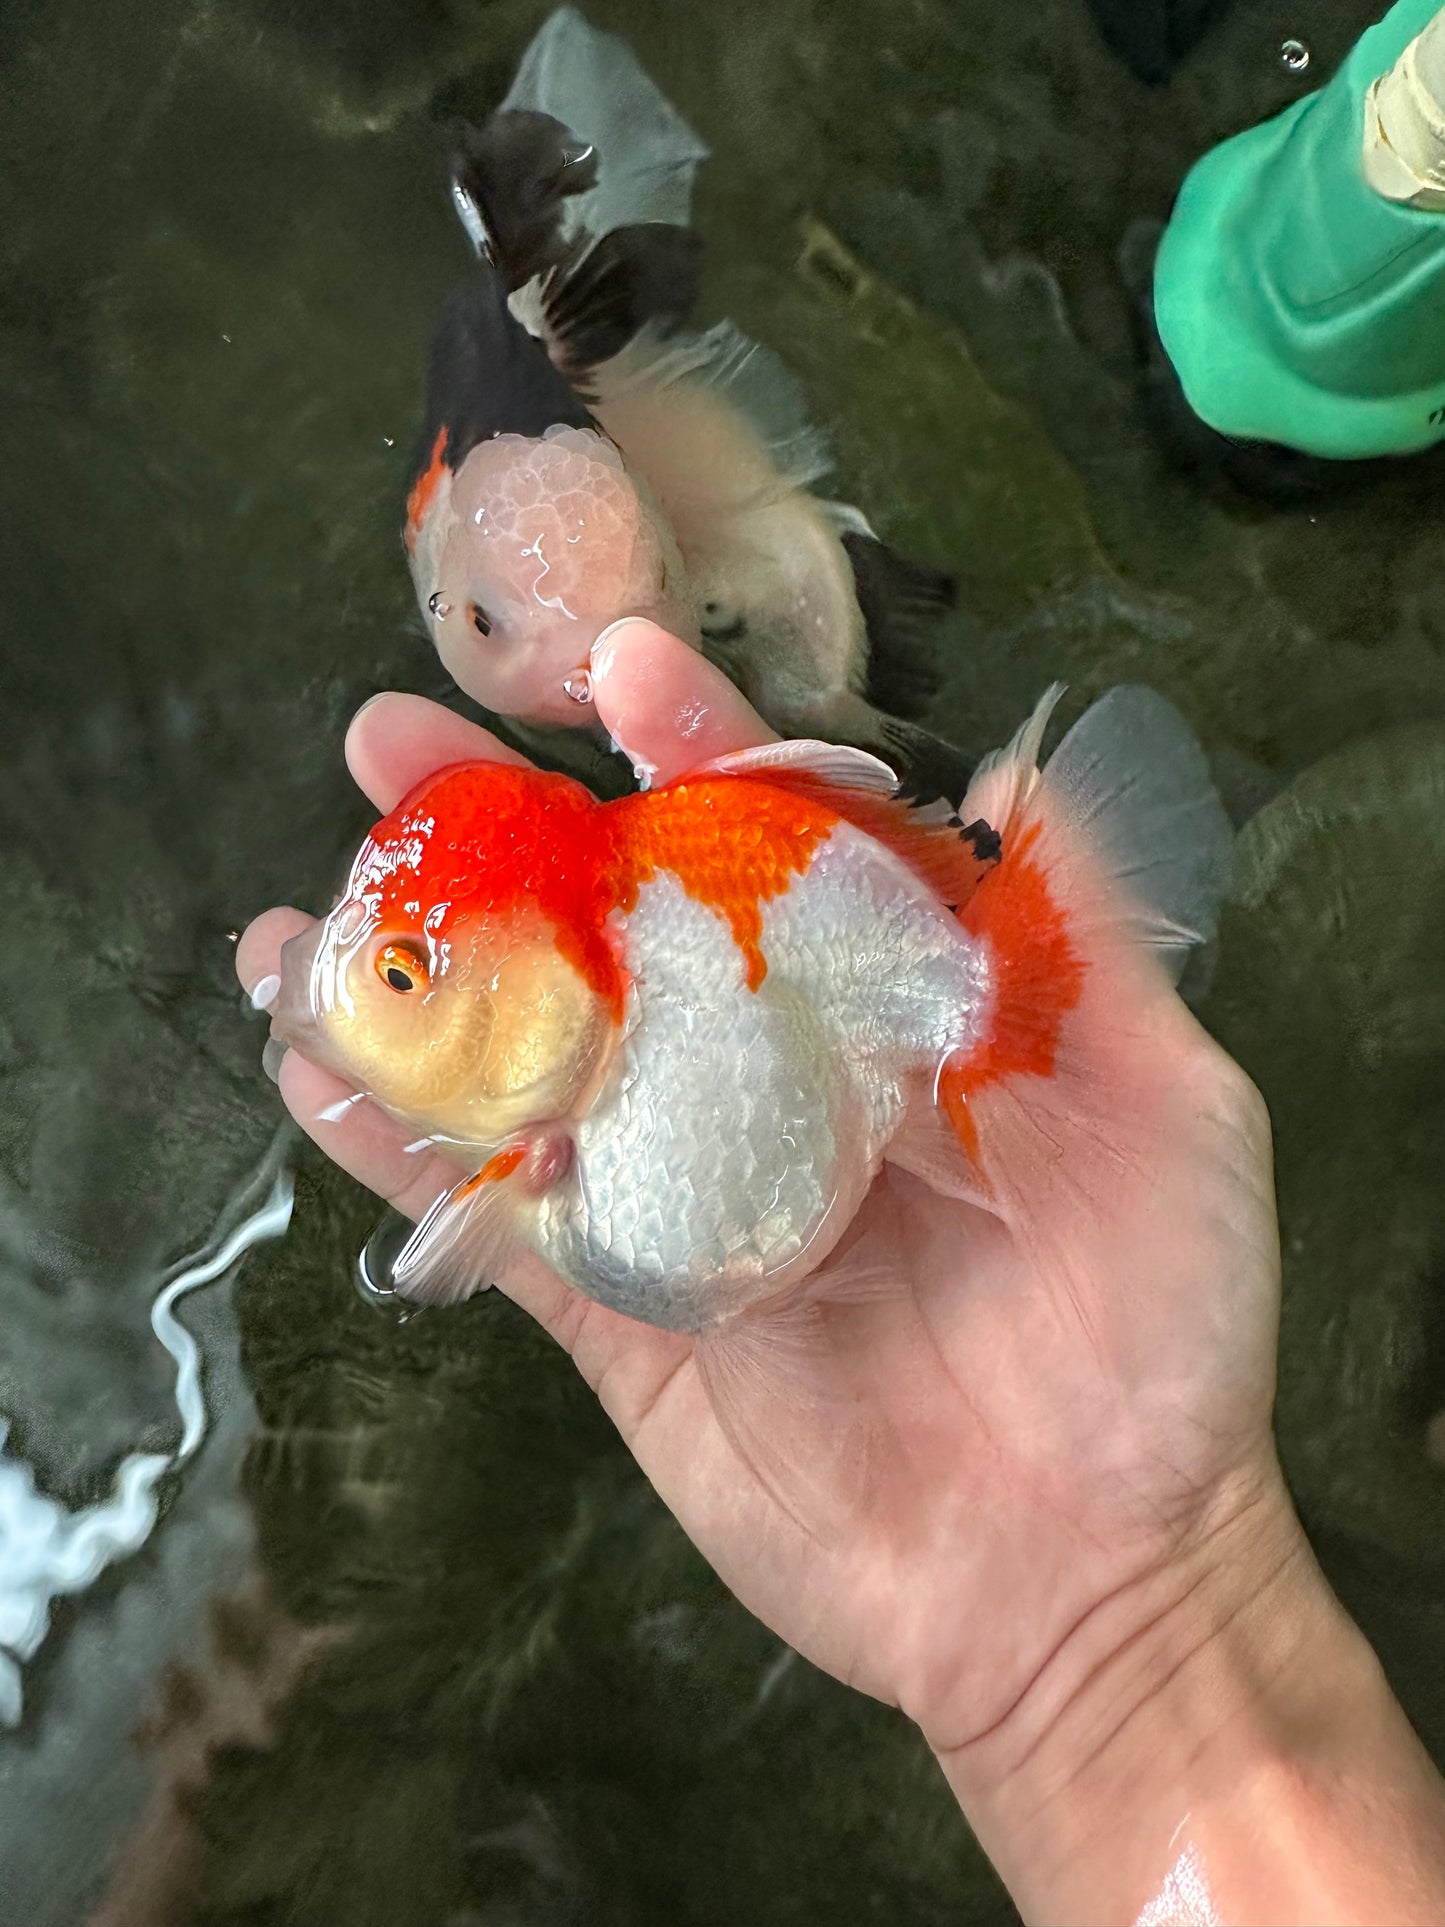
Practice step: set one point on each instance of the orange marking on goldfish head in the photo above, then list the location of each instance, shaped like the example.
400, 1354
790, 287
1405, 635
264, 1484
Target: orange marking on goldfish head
472, 977
424, 488
490, 840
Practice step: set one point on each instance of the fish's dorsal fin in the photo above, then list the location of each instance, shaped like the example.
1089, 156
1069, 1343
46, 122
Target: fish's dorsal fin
835, 764
951, 854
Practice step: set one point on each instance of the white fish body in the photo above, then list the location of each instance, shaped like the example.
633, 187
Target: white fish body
742, 1127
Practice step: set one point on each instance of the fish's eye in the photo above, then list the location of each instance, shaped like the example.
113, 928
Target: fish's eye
481, 621
403, 966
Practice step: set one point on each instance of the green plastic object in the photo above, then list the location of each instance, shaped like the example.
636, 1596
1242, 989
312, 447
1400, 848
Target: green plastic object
1297, 305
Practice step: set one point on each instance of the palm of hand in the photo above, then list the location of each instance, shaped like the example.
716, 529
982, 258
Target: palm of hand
967, 1436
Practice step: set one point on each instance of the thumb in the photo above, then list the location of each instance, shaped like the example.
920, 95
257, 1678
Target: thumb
665, 707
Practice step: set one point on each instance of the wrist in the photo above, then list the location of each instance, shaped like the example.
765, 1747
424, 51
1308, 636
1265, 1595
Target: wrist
1205, 1716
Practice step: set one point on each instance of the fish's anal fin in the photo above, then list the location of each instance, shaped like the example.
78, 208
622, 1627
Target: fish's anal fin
772, 1380
467, 1237
930, 1146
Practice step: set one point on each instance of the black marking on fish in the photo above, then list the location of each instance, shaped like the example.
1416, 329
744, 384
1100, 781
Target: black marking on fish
487, 376
929, 769
645, 274
717, 626
900, 600
517, 170
986, 841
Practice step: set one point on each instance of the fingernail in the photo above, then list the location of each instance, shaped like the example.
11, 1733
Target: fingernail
604, 650
368, 703
271, 1057
264, 995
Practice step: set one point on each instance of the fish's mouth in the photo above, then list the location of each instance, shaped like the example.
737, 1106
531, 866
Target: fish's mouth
293, 1015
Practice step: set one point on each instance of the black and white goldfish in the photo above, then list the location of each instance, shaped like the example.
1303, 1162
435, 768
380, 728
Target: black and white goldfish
583, 459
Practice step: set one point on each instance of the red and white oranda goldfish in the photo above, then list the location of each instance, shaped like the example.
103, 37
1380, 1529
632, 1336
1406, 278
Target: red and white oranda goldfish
671, 1039
582, 460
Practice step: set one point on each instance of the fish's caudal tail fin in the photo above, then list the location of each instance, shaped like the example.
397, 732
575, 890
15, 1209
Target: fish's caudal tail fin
1112, 863
645, 153
577, 191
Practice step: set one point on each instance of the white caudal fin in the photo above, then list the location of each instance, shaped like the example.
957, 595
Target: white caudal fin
593, 84
1110, 864
1132, 777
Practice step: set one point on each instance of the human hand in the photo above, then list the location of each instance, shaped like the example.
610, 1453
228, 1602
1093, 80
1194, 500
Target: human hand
968, 1476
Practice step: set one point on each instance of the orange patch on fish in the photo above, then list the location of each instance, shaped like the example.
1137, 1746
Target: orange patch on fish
485, 839
424, 488
1038, 978
494, 1170
732, 845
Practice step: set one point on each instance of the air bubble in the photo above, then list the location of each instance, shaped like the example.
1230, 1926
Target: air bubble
440, 609
579, 686
1294, 56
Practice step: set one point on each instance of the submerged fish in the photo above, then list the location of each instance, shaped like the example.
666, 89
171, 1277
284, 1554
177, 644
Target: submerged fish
582, 461
672, 1038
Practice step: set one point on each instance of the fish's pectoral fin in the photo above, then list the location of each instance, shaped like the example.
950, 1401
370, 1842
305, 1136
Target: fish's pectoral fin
839, 766
864, 790
927, 767
465, 1240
